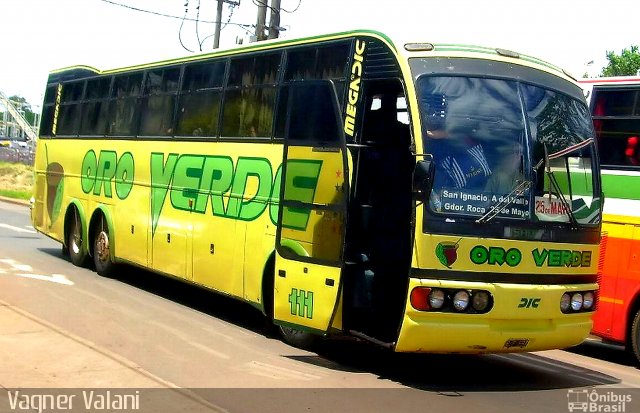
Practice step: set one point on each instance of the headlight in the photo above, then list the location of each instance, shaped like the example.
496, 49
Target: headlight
461, 300
480, 300
576, 302
565, 302
436, 299
587, 300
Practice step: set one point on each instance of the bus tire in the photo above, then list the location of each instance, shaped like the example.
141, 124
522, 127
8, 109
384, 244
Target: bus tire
635, 335
102, 249
298, 338
75, 248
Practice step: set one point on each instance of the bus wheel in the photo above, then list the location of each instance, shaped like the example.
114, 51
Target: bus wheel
102, 250
75, 248
298, 338
635, 335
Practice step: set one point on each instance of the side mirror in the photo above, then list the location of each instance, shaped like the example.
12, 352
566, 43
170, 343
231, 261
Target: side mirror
423, 176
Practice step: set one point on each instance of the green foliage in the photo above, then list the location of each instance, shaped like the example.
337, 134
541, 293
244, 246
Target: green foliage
15, 194
625, 64
21, 102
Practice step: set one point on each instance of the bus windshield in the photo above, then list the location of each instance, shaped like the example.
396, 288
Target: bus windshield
506, 150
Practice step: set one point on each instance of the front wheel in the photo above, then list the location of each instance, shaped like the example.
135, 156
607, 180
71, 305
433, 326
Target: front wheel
298, 338
635, 336
102, 250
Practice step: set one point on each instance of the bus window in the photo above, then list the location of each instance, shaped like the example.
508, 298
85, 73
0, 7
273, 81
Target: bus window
46, 122
69, 118
158, 106
124, 107
94, 109
250, 98
615, 120
203, 76
199, 106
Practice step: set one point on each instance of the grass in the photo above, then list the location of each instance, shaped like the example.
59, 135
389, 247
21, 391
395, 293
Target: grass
16, 180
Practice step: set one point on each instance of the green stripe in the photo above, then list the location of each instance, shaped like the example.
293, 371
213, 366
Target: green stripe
621, 186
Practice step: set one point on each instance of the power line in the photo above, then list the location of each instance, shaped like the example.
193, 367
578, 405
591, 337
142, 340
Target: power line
169, 15
186, 11
264, 4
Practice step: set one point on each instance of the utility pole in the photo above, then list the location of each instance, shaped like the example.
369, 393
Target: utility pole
262, 17
216, 38
216, 34
274, 21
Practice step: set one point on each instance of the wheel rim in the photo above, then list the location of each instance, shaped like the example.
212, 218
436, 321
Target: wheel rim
102, 246
76, 241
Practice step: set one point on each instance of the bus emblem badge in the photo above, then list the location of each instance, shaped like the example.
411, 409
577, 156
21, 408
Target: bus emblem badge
447, 252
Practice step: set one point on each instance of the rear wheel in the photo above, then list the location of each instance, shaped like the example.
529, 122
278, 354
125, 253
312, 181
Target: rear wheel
75, 242
635, 335
102, 250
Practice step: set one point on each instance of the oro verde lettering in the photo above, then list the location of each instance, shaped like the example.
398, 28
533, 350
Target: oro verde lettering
103, 174
495, 255
195, 181
561, 258
354, 88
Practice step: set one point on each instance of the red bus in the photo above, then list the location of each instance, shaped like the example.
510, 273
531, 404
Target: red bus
615, 107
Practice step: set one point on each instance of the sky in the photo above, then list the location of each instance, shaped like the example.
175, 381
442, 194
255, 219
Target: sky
37, 36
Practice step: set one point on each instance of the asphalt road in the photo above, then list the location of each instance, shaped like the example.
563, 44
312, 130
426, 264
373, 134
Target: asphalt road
64, 329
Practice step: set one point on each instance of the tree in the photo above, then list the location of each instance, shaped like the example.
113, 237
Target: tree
625, 64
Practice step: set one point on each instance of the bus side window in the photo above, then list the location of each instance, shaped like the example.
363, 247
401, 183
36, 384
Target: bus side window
200, 97
631, 152
46, 123
124, 107
249, 100
69, 118
161, 89
94, 108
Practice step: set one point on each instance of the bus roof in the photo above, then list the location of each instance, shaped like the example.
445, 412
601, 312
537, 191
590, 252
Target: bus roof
404, 47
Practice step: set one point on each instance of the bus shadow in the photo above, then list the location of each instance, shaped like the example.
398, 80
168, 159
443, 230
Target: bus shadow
445, 374
205, 301
453, 373
605, 352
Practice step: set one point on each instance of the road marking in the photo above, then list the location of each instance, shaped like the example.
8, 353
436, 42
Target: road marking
26, 271
17, 229
54, 278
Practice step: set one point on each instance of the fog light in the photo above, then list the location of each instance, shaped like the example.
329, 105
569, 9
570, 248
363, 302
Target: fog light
587, 302
565, 302
461, 300
576, 302
436, 299
480, 300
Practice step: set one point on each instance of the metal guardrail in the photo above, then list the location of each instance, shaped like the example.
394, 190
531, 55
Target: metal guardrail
17, 116
17, 155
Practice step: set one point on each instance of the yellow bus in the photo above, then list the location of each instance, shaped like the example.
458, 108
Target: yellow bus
425, 197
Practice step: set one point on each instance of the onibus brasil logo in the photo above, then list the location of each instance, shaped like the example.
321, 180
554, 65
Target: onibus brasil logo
597, 400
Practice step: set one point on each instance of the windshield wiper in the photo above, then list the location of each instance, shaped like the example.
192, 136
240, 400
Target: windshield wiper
507, 200
552, 178
522, 186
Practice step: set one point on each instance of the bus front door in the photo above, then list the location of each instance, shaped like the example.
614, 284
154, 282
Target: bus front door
312, 210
